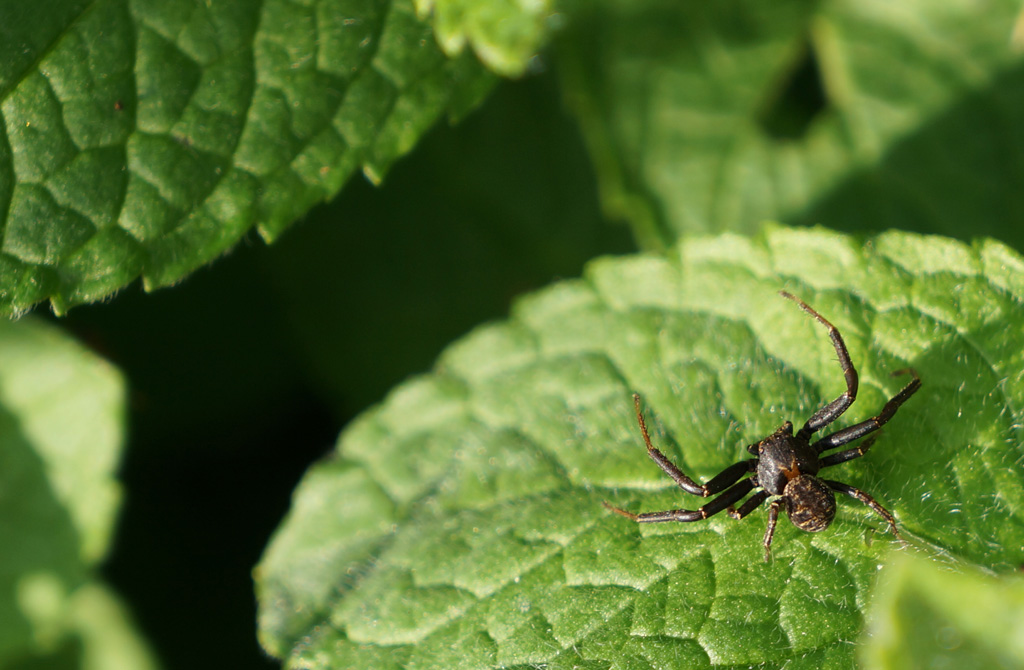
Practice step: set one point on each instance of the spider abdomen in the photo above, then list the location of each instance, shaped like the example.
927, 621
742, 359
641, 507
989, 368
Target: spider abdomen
810, 503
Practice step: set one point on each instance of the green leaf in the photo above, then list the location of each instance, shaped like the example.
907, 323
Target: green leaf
504, 34
145, 139
61, 433
460, 523
718, 116
928, 615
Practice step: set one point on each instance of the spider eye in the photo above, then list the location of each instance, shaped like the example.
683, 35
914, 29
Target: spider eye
811, 505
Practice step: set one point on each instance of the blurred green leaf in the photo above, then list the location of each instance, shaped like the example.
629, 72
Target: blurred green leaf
445, 244
460, 523
61, 434
928, 615
861, 115
145, 139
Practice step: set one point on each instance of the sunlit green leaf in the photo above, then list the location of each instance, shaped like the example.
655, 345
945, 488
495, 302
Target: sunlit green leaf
460, 523
145, 139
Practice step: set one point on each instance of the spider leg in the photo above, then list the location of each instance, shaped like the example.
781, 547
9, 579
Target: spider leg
858, 430
867, 500
714, 507
718, 483
849, 454
769, 532
834, 409
752, 503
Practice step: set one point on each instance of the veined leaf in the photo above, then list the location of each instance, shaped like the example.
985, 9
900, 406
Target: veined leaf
460, 524
61, 433
146, 138
717, 116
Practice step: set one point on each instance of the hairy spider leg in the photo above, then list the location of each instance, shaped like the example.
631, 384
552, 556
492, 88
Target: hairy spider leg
834, 409
714, 507
858, 430
867, 500
718, 483
753, 502
849, 454
769, 532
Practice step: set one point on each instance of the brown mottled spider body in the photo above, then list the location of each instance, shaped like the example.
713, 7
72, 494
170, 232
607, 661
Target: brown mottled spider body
786, 464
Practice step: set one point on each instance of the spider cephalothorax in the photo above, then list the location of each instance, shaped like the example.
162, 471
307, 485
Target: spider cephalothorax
786, 464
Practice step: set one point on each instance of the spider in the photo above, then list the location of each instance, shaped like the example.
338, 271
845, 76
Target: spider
784, 464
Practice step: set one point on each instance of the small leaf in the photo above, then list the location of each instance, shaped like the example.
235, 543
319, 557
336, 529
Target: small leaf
145, 139
505, 34
929, 615
460, 523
